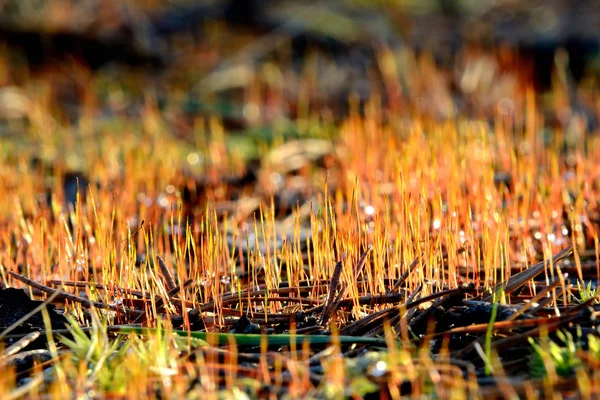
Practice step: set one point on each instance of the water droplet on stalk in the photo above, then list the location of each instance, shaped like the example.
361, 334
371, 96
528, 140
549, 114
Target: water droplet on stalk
379, 370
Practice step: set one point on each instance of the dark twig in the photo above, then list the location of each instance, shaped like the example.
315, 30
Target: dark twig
83, 284
537, 297
518, 280
166, 274
406, 274
160, 302
69, 296
333, 303
333, 286
441, 298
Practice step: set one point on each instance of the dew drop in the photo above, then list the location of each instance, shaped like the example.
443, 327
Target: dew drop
193, 158
117, 301
163, 201
379, 370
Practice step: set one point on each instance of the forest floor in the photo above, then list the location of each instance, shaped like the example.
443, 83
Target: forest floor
309, 208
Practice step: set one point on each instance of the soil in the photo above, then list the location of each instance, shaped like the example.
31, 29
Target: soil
15, 303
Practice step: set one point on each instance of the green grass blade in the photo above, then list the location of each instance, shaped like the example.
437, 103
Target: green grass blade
256, 339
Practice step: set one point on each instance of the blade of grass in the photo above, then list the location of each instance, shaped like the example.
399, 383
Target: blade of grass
255, 339
490, 331
19, 345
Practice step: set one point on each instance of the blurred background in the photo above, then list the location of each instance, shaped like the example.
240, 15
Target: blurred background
253, 63
242, 73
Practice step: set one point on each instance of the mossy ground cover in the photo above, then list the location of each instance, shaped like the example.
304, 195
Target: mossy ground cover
246, 222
